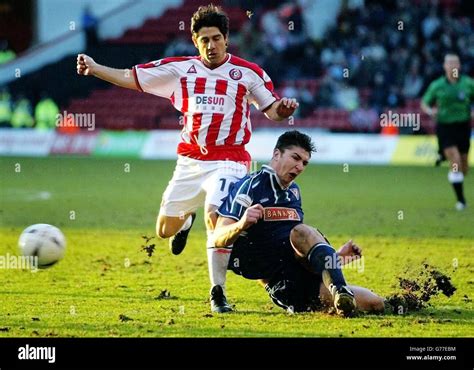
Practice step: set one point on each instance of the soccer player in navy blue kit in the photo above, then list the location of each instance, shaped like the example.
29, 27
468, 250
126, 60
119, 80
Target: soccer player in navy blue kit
262, 219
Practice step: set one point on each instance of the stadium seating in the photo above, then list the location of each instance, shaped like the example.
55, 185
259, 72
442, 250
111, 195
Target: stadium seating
120, 109
164, 28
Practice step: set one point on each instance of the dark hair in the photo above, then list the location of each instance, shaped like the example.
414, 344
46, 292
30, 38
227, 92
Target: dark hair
210, 16
295, 138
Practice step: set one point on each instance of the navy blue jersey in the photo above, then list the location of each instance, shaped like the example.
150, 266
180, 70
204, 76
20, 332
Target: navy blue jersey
262, 249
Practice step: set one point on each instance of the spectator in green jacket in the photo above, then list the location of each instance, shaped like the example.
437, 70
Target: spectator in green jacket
22, 114
46, 113
6, 54
5, 108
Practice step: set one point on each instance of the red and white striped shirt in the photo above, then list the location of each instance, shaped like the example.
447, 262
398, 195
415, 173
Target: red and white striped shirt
215, 102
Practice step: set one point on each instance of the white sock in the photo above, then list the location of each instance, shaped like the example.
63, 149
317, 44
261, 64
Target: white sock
217, 259
187, 224
455, 177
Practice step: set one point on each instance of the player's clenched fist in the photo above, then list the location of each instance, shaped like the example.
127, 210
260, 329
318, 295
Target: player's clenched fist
85, 65
286, 107
349, 252
252, 215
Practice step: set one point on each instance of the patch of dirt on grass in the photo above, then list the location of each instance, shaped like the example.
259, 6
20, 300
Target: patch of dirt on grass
417, 287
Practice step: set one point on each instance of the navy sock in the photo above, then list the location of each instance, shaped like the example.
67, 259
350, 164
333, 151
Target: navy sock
458, 189
324, 260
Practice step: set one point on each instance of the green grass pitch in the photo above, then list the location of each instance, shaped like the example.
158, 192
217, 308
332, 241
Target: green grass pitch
106, 286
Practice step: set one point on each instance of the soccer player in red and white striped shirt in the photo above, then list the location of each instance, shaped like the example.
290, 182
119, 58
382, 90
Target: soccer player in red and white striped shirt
213, 91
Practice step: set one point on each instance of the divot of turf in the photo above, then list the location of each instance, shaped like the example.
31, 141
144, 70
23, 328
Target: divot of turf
418, 287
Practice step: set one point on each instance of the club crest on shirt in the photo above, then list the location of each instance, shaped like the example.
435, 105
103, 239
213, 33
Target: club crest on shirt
280, 214
295, 192
235, 74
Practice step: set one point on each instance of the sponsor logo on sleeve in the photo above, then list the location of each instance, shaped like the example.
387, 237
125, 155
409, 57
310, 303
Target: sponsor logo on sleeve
244, 200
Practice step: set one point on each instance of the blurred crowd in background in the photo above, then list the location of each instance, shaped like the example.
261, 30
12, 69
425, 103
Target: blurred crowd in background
377, 55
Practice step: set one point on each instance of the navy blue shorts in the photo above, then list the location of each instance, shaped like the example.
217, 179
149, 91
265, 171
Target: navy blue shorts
291, 285
295, 289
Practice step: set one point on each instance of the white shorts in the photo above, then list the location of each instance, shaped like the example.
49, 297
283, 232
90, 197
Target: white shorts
196, 183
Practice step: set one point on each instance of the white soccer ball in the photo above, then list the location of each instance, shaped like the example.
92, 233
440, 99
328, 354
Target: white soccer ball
46, 242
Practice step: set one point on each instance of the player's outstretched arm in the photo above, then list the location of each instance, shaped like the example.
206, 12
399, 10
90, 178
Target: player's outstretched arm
86, 66
430, 111
282, 109
228, 230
